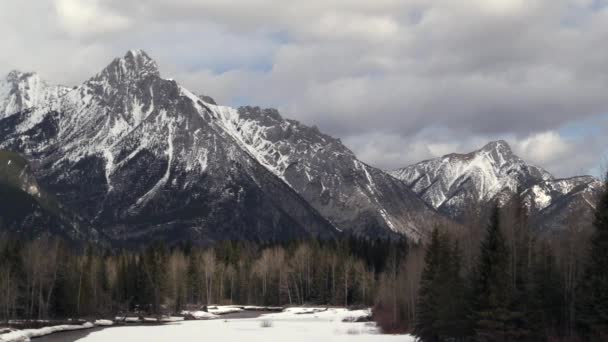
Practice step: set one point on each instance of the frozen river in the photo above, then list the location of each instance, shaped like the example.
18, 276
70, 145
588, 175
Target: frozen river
292, 325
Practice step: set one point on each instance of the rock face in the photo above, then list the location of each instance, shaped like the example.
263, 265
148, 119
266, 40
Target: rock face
461, 185
559, 204
142, 158
137, 157
27, 208
20, 91
351, 194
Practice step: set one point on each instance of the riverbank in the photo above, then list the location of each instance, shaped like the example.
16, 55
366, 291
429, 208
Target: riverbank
233, 323
292, 324
72, 336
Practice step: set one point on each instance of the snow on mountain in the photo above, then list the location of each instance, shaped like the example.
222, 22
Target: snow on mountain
543, 193
20, 91
461, 185
558, 204
142, 158
350, 193
450, 182
135, 153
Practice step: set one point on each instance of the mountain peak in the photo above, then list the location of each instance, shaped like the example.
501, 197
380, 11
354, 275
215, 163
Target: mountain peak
453, 181
134, 53
16, 76
134, 65
498, 145
24, 90
140, 62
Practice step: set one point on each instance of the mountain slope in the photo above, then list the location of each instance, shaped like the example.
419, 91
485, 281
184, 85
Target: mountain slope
351, 194
25, 208
563, 203
141, 158
20, 91
464, 185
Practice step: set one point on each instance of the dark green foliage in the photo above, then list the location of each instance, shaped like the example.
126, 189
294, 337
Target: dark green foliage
492, 316
155, 274
546, 301
593, 292
427, 309
442, 307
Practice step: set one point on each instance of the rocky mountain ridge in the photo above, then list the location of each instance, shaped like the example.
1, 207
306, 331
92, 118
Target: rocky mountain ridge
141, 157
463, 185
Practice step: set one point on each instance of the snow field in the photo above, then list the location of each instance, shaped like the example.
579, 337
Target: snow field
293, 324
26, 334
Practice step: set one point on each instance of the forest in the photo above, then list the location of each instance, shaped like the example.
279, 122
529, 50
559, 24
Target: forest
496, 279
43, 278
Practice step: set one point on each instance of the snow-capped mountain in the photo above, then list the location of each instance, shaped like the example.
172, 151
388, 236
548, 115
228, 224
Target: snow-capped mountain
20, 91
350, 193
141, 157
542, 195
563, 203
462, 185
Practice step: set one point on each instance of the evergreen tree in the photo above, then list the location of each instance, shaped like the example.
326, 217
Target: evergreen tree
593, 292
442, 310
427, 307
520, 246
545, 316
154, 278
491, 315
452, 322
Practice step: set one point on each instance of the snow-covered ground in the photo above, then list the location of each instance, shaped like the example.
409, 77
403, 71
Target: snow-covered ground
294, 325
27, 334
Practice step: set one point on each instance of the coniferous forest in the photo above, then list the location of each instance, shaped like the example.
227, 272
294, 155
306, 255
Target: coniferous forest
518, 286
498, 280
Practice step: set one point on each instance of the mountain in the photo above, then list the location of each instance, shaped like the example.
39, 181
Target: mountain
21, 91
351, 194
142, 158
463, 185
559, 204
26, 207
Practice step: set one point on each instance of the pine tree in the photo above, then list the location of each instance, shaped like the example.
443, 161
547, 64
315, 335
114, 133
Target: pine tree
491, 315
520, 243
427, 306
546, 303
154, 264
442, 308
593, 291
453, 310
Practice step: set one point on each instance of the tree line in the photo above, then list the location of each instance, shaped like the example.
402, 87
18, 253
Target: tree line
517, 285
496, 279
45, 278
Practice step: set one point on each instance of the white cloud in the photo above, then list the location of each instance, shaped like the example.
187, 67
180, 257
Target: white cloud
86, 17
544, 148
379, 74
504, 7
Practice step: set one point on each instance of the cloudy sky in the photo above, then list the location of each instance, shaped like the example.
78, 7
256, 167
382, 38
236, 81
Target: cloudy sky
397, 80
